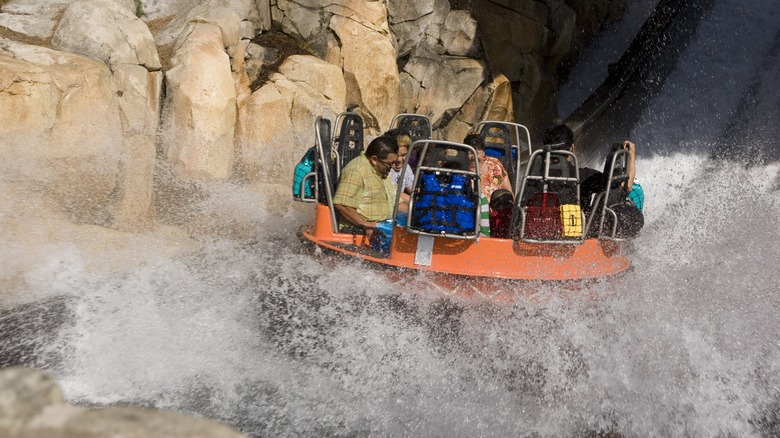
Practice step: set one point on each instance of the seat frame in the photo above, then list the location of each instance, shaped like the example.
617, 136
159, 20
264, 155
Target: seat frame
614, 193
332, 154
513, 152
520, 207
428, 149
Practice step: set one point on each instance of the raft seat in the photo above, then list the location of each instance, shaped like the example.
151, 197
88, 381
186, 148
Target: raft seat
332, 154
547, 209
498, 144
603, 219
445, 200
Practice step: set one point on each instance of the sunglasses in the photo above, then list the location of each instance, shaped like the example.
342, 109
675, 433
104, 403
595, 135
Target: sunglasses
386, 164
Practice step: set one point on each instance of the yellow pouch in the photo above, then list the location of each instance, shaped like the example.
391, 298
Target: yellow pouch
571, 218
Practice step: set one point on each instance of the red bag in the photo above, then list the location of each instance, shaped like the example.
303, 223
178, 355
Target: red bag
500, 221
543, 217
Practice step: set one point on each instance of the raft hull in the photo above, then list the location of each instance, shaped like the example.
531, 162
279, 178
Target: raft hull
486, 257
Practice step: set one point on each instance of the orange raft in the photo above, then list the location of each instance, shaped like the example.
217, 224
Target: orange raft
445, 237
483, 257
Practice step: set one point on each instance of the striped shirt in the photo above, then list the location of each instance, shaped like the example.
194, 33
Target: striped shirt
484, 216
361, 188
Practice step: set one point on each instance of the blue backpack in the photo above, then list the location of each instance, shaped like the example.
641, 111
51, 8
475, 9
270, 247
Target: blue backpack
303, 168
637, 196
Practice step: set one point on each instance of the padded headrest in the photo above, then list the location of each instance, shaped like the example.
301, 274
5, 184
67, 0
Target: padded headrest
557, 147
501, 199
448, 158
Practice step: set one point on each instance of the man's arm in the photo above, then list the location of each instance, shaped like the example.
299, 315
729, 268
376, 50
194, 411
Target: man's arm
631, 163
351, 214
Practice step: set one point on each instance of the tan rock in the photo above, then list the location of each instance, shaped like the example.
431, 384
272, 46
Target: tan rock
106, 31
200, 114
228, 22
24, 394
65, 136
376, 84
324, 79
446, 83
164, 9
29, 97
31, 405
33, 18
500, 106
276, 124
264, 126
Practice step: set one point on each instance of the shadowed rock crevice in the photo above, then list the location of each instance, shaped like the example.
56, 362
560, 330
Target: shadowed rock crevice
282, 46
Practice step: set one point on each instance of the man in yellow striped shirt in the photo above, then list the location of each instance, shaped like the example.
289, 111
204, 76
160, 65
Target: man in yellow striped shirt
365, 195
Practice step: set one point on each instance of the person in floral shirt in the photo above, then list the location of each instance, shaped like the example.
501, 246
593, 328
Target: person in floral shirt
493, 176
492, 173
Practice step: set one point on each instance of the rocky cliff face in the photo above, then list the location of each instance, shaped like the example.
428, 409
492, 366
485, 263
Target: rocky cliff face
109, 105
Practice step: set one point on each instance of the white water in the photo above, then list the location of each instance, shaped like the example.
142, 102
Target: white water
277, 342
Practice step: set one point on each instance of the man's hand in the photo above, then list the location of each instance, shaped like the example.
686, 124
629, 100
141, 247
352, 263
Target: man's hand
368, 229
351, 215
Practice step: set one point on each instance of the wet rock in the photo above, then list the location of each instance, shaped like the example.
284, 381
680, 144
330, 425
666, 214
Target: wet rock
32, 405
276, 122
199, 120
106, 31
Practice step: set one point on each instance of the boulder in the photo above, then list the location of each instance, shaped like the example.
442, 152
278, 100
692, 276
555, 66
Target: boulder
299, 19
106, 31
499, 106
276, 124
256, 13
459, 34
62, 134
226, 20
361, 33
508, 34
200, 107
25, 394
409, 92
491, 101
445, 83
31, 405
138, 97
409, 22
164, 9
563, 23
32, 18
375, 85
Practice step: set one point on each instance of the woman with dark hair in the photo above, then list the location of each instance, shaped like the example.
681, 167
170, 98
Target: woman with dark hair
493, 179
492, 173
